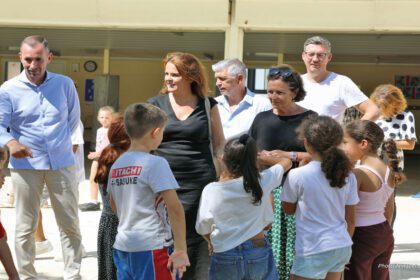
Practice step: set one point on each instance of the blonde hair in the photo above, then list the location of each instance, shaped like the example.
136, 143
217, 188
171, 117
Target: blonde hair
106, 109
389, 99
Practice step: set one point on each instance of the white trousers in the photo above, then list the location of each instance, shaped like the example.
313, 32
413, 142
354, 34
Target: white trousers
64, 195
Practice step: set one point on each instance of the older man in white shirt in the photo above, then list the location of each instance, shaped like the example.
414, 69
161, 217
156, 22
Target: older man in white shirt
237, 105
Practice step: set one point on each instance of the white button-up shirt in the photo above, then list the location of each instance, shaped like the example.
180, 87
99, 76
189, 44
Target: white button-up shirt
239, 121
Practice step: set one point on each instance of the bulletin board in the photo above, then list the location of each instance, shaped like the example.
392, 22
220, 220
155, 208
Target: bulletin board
409, 84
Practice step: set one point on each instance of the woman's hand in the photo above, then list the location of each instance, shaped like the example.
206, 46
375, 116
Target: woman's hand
270, 158
279, 154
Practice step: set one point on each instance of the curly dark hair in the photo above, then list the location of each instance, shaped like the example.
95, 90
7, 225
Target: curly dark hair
324, 135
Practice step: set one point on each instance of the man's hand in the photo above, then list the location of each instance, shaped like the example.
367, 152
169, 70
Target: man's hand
18, 150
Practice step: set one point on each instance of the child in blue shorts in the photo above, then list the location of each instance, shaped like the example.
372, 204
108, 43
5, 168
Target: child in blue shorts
323, 194
142, 193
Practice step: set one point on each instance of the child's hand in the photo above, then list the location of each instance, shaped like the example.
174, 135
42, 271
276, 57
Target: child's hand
177, 264
1, 178
92, 155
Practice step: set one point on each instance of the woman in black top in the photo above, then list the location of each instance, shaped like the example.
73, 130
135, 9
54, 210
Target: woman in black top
275, 134
186, 144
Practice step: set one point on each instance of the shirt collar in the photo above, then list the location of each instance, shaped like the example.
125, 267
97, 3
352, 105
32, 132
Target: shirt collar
248, 98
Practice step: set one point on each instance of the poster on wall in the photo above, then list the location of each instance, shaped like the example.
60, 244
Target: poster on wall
89, 86
13, 68
409, 85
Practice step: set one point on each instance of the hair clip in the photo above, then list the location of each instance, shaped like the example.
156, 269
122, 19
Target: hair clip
243, 139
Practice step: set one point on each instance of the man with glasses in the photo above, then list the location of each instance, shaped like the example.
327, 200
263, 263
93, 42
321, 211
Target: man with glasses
329, 93
237, 105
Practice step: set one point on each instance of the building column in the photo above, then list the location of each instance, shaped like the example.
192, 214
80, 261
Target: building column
234, 36
106, 62
280, 58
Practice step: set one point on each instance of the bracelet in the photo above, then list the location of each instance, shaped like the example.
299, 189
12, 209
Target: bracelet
294, 156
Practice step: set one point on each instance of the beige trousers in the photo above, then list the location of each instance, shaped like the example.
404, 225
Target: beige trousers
64, 195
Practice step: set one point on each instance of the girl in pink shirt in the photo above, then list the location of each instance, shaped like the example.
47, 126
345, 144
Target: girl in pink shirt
373, 240
105, 117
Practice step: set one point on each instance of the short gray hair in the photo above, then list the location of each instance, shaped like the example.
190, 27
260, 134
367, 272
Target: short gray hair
233, 65
34, 40
317, 40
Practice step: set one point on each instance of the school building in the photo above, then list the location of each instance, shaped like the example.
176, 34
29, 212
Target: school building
373, 41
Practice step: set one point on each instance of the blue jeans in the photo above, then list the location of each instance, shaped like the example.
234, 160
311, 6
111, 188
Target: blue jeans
246, 261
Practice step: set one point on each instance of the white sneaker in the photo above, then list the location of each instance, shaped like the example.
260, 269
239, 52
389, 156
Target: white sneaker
42, 247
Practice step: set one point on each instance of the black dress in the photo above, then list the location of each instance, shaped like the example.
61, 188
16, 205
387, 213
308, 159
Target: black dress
273, 132
108, 227
186, 146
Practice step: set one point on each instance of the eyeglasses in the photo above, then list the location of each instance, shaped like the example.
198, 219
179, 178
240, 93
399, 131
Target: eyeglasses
319, 55
282, 72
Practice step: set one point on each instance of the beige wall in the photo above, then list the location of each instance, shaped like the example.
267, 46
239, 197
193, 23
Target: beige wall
145, 14
287, 15
327, 15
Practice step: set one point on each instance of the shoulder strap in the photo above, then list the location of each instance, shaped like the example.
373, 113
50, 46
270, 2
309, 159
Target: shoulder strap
373, 171
388, 172
207, 108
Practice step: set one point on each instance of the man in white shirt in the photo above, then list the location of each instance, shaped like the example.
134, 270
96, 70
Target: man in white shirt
237, 105
328, 93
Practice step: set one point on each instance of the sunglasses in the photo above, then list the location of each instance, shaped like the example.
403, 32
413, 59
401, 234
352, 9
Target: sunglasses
280, 72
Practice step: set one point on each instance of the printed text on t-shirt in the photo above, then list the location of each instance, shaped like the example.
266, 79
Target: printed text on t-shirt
126, 171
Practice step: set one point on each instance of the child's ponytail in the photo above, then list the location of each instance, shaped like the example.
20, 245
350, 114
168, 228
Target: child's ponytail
336, 166
390, 149
323, 134
240, 158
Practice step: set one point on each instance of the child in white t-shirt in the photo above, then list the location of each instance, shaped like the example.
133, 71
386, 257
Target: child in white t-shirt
142, 191
323, 194
234, 212
105, 116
